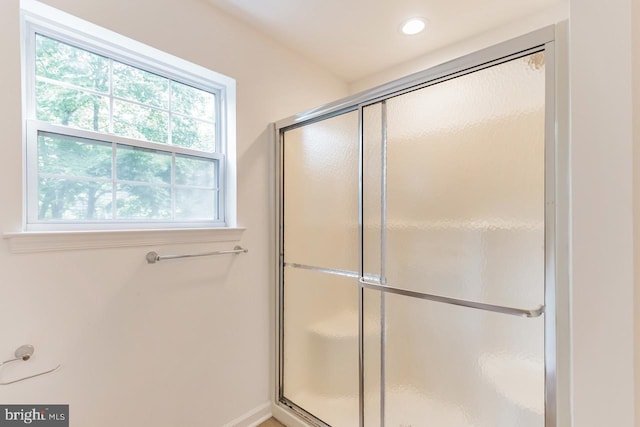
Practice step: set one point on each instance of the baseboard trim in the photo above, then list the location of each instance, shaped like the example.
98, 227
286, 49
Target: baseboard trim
252, 418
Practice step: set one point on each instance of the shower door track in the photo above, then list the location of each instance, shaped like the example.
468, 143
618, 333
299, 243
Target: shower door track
537, 41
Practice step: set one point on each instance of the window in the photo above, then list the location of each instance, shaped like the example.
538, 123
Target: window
120, 135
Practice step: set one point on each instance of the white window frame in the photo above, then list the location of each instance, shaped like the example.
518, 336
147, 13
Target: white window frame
47, 21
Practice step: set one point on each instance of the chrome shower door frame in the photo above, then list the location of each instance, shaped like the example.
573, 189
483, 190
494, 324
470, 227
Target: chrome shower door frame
555, 233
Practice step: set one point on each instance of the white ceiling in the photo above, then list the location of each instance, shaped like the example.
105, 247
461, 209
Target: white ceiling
356, 38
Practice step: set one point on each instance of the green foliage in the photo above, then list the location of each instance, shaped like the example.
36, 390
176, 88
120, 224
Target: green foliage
142, 165
191, 133
141, 86
143, 202
192, 102
70, 107
81, 179
64, 63
138, 122
66, 188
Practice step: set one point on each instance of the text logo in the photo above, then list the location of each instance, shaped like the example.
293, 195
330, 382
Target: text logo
34, 415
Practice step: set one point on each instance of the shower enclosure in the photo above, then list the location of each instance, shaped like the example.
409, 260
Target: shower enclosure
416, 280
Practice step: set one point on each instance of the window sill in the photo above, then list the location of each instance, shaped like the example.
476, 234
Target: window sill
28, 242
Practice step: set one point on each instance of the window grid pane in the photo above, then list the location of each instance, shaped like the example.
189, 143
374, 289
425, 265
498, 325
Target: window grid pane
139, 122
143, 165
102, 181
140, 201
134, 84
136, 104
192, 102
65, 106
69, 64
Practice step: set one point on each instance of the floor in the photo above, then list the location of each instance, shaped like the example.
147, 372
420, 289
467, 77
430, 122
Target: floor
271, 423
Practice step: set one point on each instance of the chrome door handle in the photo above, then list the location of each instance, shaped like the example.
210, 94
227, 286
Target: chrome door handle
536, 312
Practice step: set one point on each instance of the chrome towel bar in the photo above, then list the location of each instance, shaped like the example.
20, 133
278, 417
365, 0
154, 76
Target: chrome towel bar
536, 312
153, 257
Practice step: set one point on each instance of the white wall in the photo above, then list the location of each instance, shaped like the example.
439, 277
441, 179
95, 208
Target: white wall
182, 343
602, 223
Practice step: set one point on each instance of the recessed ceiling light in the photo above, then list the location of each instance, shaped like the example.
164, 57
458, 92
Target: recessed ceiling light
413, 26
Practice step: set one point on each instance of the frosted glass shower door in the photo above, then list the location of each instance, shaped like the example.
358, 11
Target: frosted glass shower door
319, 271
454, 250
417, 249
